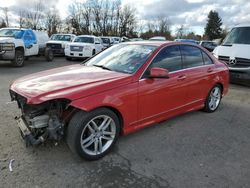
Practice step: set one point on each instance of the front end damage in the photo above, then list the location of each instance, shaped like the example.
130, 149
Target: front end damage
41, 122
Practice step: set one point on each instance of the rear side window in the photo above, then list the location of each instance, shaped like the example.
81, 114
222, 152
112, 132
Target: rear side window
192, 56
168, 58
206, 59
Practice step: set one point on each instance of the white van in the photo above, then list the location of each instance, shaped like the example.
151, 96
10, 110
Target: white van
235, 51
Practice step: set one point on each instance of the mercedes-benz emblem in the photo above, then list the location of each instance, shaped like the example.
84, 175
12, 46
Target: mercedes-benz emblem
232, 61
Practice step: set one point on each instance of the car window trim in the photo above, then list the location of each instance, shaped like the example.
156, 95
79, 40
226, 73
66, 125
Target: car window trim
141, 77
208, 57
200, 53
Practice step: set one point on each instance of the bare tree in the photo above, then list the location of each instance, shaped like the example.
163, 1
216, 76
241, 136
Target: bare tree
21, 18
127, 21
6, 15
163, 24
32, 16
52, 21
180, 32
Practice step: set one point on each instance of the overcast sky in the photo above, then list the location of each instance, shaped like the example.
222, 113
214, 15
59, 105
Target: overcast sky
190, 13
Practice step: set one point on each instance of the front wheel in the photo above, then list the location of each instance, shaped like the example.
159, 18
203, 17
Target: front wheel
19, 58
49, 54
93, 134
213, 99
68, 58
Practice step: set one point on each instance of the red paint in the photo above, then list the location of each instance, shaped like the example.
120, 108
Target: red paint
140, 102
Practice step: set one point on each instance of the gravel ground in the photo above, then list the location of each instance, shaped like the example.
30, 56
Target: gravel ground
193, 150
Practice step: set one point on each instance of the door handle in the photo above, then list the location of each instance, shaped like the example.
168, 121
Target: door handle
209, 70
181, 77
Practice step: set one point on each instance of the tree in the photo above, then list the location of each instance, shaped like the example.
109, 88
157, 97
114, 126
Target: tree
180, 32
213, 27
127, 21
2, 24
6, 15
52, 21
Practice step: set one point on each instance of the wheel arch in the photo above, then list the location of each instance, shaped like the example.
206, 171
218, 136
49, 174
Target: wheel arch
113, 109
20, 48
221, 86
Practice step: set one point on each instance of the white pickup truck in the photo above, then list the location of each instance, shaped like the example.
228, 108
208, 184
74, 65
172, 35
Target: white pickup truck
58, 42
16, 44
83, 46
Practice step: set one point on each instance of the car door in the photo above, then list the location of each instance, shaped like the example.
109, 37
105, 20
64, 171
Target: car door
199, 71
30, 42
158, 96
98, 45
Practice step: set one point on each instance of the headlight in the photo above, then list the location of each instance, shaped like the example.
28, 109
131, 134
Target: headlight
63, 45
66, 46
7, 46
215, 55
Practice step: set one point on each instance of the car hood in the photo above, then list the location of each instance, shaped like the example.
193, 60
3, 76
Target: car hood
58, 42
70, 82
80, 44
236, 50
7, 40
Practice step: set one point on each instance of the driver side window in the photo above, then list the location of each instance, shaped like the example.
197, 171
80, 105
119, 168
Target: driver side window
168, 58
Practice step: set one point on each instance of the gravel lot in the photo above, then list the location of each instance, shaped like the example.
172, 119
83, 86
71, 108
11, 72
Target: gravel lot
193, 150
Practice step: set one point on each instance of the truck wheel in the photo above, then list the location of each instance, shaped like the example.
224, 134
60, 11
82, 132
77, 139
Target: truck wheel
49, 54
93, 52
19, 59
68, 58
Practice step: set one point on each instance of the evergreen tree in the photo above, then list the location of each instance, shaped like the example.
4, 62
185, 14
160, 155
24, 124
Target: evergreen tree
2, 24
213, 28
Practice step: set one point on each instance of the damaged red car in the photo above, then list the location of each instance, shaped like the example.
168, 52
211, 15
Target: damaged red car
122, 89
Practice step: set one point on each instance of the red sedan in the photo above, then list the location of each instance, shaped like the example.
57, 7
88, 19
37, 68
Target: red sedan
124, 88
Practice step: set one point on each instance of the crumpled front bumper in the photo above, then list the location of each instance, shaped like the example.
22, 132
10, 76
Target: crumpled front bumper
26, 133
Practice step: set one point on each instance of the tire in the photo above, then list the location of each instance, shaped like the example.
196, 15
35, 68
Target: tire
49, 54
213, 99
88, 137
93, 52
68, 58
19, 59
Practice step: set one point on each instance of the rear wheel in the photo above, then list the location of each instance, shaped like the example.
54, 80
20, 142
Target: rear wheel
213, 100
93, 52
19, 58
93, 134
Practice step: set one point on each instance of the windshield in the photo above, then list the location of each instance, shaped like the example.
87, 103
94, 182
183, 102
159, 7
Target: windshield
238, 35
16, 33
84, 39
125, 58
61, 37
105, 40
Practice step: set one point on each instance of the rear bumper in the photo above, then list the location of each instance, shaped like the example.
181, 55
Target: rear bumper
7, 55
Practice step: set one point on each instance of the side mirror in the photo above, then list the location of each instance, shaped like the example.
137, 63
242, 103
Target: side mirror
157, 72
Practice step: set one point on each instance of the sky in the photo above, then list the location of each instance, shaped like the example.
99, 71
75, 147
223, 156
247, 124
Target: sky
190, 13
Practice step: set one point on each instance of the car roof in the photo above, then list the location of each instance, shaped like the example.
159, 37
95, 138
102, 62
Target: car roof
159, 43
86, 36
243, 25
63, 34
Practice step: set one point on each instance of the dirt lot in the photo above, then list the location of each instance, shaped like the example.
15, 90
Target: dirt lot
193, 150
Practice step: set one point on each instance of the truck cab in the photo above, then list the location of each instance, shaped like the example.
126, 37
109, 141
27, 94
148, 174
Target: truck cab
16, 44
